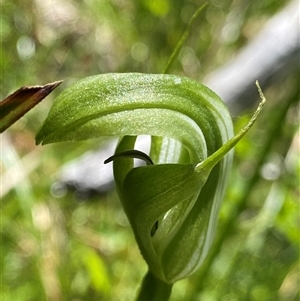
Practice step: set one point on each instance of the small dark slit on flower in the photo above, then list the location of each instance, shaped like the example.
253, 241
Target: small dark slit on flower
154, 228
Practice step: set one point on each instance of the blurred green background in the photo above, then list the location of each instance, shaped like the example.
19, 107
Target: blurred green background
56, 247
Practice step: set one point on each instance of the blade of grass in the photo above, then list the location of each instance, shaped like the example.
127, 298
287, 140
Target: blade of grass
183, 39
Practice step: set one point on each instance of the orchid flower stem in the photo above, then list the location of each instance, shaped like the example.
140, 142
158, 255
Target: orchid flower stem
153, 289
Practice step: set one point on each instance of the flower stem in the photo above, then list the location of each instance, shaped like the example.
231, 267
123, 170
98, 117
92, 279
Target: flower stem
153, 289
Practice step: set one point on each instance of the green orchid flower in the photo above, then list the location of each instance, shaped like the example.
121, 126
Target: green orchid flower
173, 202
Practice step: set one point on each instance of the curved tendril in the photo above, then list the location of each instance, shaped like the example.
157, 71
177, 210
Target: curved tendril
132, 153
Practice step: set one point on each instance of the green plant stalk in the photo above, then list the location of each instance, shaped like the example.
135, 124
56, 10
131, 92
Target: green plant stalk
153, 289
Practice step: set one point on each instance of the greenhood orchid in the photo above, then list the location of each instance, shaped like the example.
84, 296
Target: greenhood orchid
172, 203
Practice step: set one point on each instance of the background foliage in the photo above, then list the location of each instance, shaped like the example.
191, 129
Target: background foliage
57, 247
